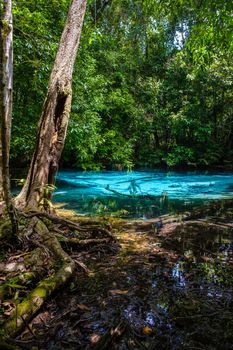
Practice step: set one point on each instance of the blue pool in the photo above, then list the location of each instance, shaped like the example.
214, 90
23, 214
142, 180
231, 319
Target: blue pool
139, 194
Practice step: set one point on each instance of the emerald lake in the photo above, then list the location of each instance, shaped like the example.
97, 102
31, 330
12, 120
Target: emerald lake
139, 194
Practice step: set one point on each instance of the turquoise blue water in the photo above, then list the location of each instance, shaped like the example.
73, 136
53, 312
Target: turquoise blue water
139, 194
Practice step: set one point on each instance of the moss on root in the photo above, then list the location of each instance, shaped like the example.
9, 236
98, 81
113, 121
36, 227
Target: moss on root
5, 229
32, 303
27, 308
49, 257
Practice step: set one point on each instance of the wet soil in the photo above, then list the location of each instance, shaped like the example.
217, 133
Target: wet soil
167, 287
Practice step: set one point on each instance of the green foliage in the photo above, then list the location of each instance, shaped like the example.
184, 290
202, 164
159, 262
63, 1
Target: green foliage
46, 203
37, 29
152, 84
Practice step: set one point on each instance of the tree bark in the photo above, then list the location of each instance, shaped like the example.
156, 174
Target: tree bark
6, 78
55, 113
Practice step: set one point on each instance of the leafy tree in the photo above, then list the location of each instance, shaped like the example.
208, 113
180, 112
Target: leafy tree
152, 84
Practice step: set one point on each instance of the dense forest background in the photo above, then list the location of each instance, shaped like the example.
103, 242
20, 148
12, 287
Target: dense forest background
152, 85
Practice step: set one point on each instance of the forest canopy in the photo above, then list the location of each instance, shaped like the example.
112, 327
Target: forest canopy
152, 84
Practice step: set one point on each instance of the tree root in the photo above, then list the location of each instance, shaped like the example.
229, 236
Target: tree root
29, 306
35, 232
48, 232
5, 230
82, 227
82, 242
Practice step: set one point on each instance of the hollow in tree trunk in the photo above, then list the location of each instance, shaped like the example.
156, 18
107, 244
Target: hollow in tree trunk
55, 113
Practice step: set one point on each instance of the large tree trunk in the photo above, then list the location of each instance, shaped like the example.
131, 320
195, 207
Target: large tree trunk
55, 114
6, 74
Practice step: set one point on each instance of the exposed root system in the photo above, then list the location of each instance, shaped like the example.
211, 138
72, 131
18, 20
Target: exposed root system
42, 266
